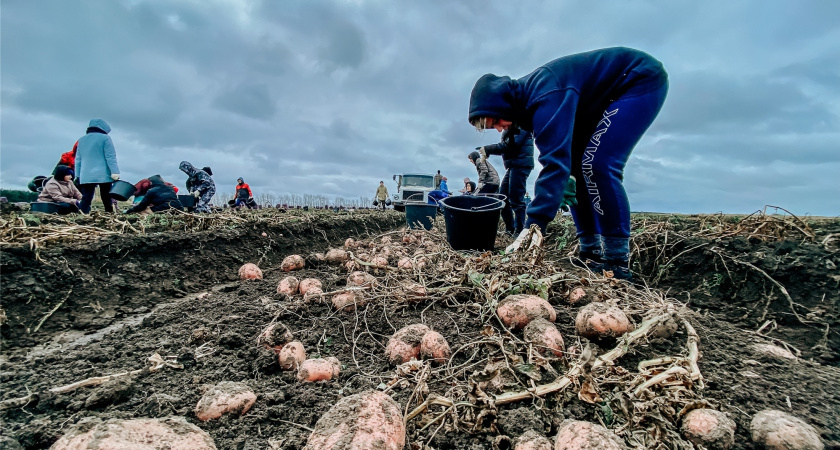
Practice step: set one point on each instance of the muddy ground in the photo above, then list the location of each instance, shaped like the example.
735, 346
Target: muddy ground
149, 285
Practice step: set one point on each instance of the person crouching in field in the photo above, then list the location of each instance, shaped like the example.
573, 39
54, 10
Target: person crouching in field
488, 178
200, 184
159, 197
61, 190
243, 195
587, 112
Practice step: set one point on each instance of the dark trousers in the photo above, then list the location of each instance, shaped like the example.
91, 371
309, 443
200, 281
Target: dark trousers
513, 186
488, 189
89, 189
67, 208
603, 208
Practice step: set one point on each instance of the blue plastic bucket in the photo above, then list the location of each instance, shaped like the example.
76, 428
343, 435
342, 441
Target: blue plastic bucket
472, 221
420, 215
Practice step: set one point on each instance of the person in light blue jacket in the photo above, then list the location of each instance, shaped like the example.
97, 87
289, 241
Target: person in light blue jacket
96, 165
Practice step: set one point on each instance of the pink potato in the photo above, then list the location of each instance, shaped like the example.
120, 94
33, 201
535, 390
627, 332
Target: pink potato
351, 266
275, 336
778, 430
173, 433
288, 286
405, 263
250, 271
350, 243
545, 337
385, 240
576, 295
308, 283
434, 346
578, 435
292, 262
413, 292
291, 355
348, 301
517, 311
409, 239
601, 321
531, 440
362, 279
314, 294
708, 428
336, 256
405, 343
318, 369
368, 420
379, 261
225, 397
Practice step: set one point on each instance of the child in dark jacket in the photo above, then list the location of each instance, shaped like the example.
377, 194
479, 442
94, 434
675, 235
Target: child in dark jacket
587, 112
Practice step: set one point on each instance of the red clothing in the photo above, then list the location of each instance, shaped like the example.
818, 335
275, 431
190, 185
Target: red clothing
243, 186
69, 158
144, 185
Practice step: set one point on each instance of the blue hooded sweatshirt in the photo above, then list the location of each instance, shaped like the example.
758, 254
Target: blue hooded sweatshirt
96, 158
561, 103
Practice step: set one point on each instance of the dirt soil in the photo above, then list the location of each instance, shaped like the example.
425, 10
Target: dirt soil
177, 294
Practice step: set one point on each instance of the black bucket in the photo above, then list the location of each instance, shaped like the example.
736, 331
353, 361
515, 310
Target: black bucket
122, 190
472, 220
187, 201
420, 215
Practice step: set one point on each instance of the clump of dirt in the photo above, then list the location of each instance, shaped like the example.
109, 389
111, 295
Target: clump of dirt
214, 337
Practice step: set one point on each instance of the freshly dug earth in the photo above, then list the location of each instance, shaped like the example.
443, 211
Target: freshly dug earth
214, 336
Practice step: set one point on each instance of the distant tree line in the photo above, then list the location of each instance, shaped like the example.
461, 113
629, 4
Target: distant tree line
19, 196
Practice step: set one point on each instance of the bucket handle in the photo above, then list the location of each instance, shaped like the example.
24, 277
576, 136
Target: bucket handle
498, 197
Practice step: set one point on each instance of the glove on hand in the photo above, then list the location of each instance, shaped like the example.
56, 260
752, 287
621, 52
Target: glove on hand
196, 194
570, 193
522, 241
115, 176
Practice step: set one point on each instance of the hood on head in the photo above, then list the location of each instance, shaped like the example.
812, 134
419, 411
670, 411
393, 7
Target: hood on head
207, 169
156, 180
240, 180
101, 124
474, 156
187, 168
493, 96
62, 171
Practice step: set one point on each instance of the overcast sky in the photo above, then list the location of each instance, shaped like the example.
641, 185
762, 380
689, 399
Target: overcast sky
329, 97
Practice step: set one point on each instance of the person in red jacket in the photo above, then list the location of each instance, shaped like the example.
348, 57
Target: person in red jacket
243, 195
68, 158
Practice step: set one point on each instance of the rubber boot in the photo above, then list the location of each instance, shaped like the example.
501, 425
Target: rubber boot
617, 257
590, 255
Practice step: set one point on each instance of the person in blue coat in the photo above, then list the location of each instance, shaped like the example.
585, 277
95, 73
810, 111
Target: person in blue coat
587, 111
517, 151
96, 165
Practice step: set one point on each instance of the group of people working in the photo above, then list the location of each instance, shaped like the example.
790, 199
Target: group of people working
92, 164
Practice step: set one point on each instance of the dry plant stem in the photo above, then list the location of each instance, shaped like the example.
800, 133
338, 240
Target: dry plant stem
791, 303
44, 319
693, 345
674, 370
17, 402
576, 370
93, 381
367, 264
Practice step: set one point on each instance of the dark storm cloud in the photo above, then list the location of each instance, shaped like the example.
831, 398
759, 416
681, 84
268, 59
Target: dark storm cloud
332, 96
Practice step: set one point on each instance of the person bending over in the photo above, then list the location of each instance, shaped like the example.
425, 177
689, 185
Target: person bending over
200, 184
488, 178
587, 112
160, 196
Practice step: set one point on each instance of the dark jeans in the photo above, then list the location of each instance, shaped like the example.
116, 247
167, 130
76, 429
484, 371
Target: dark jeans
67, 208
89, 189
488, 189
602, 206
513, 186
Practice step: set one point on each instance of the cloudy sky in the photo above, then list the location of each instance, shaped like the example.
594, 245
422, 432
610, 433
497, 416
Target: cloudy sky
329, 97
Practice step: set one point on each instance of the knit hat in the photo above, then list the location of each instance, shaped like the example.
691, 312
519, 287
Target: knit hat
62, 171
